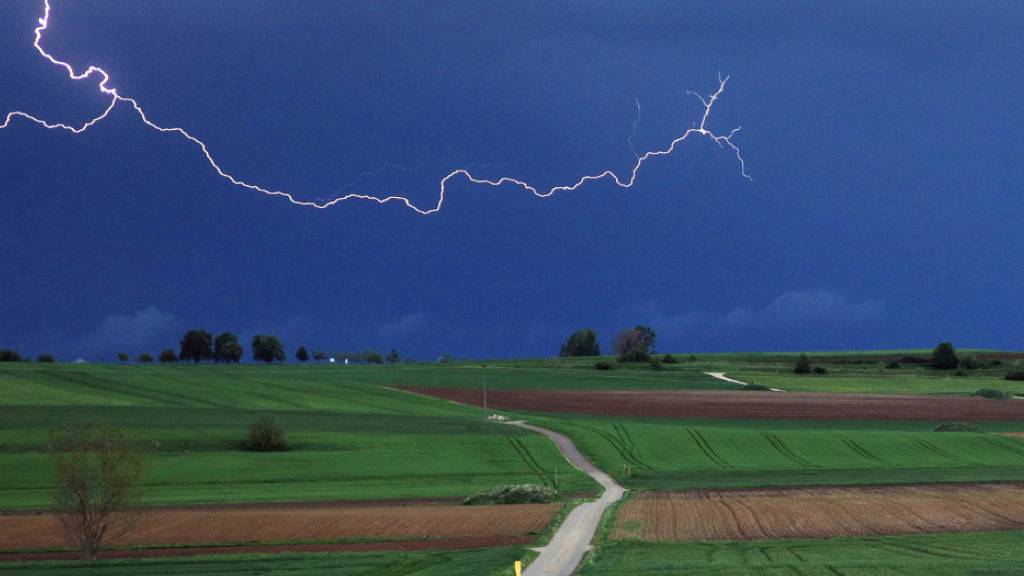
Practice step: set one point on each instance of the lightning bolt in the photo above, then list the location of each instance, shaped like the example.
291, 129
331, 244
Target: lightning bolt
724, 141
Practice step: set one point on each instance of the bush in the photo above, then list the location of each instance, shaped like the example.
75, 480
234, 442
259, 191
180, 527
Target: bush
820, 370
961, 371
669, 359
803, 365
145, 358
893, 366
913, 360
46, 358
9, 356
991, 394
755, 387
168, 356
512, 494
265, 435
957, 427
970, 363
1018, 376
655, 364
581, 343
604, 365
944, 357
636, 354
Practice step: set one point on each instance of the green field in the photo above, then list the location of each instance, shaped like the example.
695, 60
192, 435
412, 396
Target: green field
487, 562
351, 440
973, 554
686, 454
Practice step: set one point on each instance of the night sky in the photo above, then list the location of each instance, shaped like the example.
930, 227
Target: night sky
884, 140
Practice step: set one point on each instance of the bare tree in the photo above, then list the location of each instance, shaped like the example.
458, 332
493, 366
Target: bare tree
99, 484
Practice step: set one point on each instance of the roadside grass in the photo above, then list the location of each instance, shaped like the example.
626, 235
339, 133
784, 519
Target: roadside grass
351, 441
990, 553
484, 562
683, 454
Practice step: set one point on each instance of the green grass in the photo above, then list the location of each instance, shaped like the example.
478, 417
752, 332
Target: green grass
686, 454
971, 554
350, 440
487, 562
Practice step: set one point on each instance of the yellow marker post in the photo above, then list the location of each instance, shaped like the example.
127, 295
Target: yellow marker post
519, 568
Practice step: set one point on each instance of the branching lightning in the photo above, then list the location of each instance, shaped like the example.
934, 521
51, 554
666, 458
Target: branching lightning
700, 129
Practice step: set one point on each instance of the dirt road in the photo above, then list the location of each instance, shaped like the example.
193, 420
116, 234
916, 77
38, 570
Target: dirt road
572, 540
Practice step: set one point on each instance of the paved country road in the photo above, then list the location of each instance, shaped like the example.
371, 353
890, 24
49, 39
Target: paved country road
572, 540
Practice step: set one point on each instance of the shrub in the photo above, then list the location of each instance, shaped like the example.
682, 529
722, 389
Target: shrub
1015, 376
168, 356
893, 366
803, 365
961, 371
46, 358
991, 394
636, 354
512, 494
581, 343
957, 427
970, 363
944, 357
669, 359
145, 358
656, 364
604, 365
265, 435
820, 370
9, 356
913, 360
755, 387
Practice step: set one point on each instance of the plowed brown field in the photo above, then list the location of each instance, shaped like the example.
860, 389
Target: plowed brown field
769, 405
195, 526
820, 513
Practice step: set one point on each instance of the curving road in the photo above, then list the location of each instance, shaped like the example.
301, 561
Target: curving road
724, 378
572, 540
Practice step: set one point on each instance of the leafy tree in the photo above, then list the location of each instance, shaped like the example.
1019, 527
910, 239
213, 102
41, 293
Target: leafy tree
371, 356
99, 484
267, 348
392, 357
9, 356
319, 356
197, 345
122, 356
301, 355
635, 354
669, 359
944, 357
635, 344
168, 356
647, 338
144, 358
803, 365
227, 349
266, 435
46, 358
581, 343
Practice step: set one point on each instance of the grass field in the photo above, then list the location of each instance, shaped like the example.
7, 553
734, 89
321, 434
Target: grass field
351, 440
684, 454
489, 562
969, 554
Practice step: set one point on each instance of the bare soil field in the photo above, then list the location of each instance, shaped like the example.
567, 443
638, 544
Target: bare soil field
820, 512
404, 527
741, 405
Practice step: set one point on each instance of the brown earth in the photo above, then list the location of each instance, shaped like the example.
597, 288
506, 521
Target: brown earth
745, 404
820, 512
446, 524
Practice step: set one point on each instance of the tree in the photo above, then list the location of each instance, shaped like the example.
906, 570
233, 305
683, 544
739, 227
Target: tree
371, 356
581, 343
641, 338
9, 356
197, 345
266, 435
122, 357
46, 358
944, 357
144, 358
319, 356
392, 357
227, 349
803, 365
168, 356
267, 348
301, 355
99, 484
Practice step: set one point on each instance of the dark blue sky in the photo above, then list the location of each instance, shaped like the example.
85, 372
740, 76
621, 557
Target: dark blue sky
884, 139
